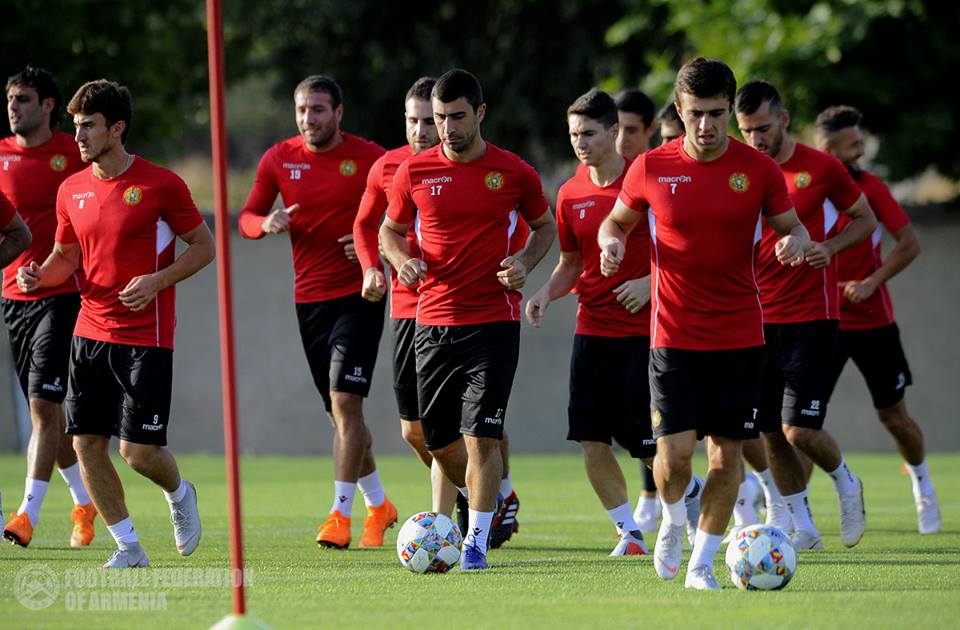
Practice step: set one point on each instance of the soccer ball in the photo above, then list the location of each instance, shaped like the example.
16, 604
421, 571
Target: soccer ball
760, 557
429, 543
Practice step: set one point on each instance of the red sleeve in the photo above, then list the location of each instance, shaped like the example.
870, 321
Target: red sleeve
633, 194
843, 191
532, 202
7, 211
179, 210
65, 233
367, 224
565, 234
777, 199
262, 196
888, 211
402, 209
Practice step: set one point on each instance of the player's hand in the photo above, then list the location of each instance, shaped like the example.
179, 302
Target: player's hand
374, 285
788, 251
819, 255
278, 221
536, 307
29, 277
858, 291
634, 294
411, 272
140, 291
348, 250
611, 255
514, 274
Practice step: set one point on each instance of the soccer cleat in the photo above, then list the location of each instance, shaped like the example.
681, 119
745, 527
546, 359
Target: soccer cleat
132, 557
853, 516
463, 514
82, 517
647, 513
928, 514
19, 529
185, 516
668, 552
806, 541
779, 516
379, 520
473, 559
504, 523
692, 503
631, 544
701, 578
335, 531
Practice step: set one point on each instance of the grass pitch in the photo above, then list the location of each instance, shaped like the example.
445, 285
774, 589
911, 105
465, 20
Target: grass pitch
554, 573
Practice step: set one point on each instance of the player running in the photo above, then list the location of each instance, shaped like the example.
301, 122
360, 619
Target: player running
635, 123
671, 127
119, 220
703, 196
800, 311
868, 332
35, 161
467, 197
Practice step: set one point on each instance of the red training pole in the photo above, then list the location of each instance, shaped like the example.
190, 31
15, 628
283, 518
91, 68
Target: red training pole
225, 294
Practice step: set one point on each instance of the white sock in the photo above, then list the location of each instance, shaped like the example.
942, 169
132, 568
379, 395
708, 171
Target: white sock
463, 491
343, 492
479, 530
177, 495
124, 533
506, 486
800, 512
771, 494
705, 547
675, 513
34, 491
743, 512
372, 489
649, 503
622, 517
75, 483
843, 479
920, 477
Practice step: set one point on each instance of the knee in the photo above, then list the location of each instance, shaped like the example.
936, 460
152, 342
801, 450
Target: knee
674, 458
89, 446
137, 456
448, 452
724, 455
412, 434
798, 436
346, 407
595, 449
45, 413
895, 418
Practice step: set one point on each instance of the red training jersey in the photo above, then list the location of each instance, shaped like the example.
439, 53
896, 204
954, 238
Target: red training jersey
328, 186
802, 293
581, 208
861, 260
30, 177
126, 227
7, 211
704, 227
467, 217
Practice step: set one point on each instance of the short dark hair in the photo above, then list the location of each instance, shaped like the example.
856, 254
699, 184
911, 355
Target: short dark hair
755, 93
104, 97
636, 102
837, 117
669, 114
46, 87
596, 104
705, 78
457, 83
322, 83
421, 89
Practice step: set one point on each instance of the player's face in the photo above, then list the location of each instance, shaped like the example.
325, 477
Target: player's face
633, 137
847, 146
591, 141
705, 120
25, 111
457, 123
421, 130
317, 119
94, 137
670, 131
763, 129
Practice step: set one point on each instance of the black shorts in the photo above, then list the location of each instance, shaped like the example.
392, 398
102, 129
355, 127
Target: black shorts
610, 393
40, 333
121, 390
405, 368
795, 381
715, 392
340, 338
464, 378
878, 354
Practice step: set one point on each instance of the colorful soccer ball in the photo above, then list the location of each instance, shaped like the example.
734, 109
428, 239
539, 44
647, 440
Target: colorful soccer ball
429, 543
761, 557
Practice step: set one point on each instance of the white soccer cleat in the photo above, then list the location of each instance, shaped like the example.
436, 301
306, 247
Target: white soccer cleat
692, 503
647, 513
701, 578
668, 552
185, 516
806, 541
778, 515
131, 557
853, 516
630, 544
928, 514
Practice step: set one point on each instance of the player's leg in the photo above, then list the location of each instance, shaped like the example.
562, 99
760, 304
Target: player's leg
647, 512
505, 523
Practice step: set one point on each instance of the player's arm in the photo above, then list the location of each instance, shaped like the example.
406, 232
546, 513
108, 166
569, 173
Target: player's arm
16, 239
59, 265
257, 217
366, 227
561, 282
393, 239
862, 223
543, 231
612, 236
141, 290
794, 239
906, 249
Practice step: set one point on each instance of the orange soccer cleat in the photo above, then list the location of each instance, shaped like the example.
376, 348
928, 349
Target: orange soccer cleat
82, 517
379, 520
335, 531
18, 529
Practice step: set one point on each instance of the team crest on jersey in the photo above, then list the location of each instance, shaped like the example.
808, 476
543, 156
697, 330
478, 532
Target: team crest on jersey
348, 168
494, 181
656, 418
58, 163
802, 179
739, 182
133, 196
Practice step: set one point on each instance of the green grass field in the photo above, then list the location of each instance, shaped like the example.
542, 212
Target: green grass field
554, 573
